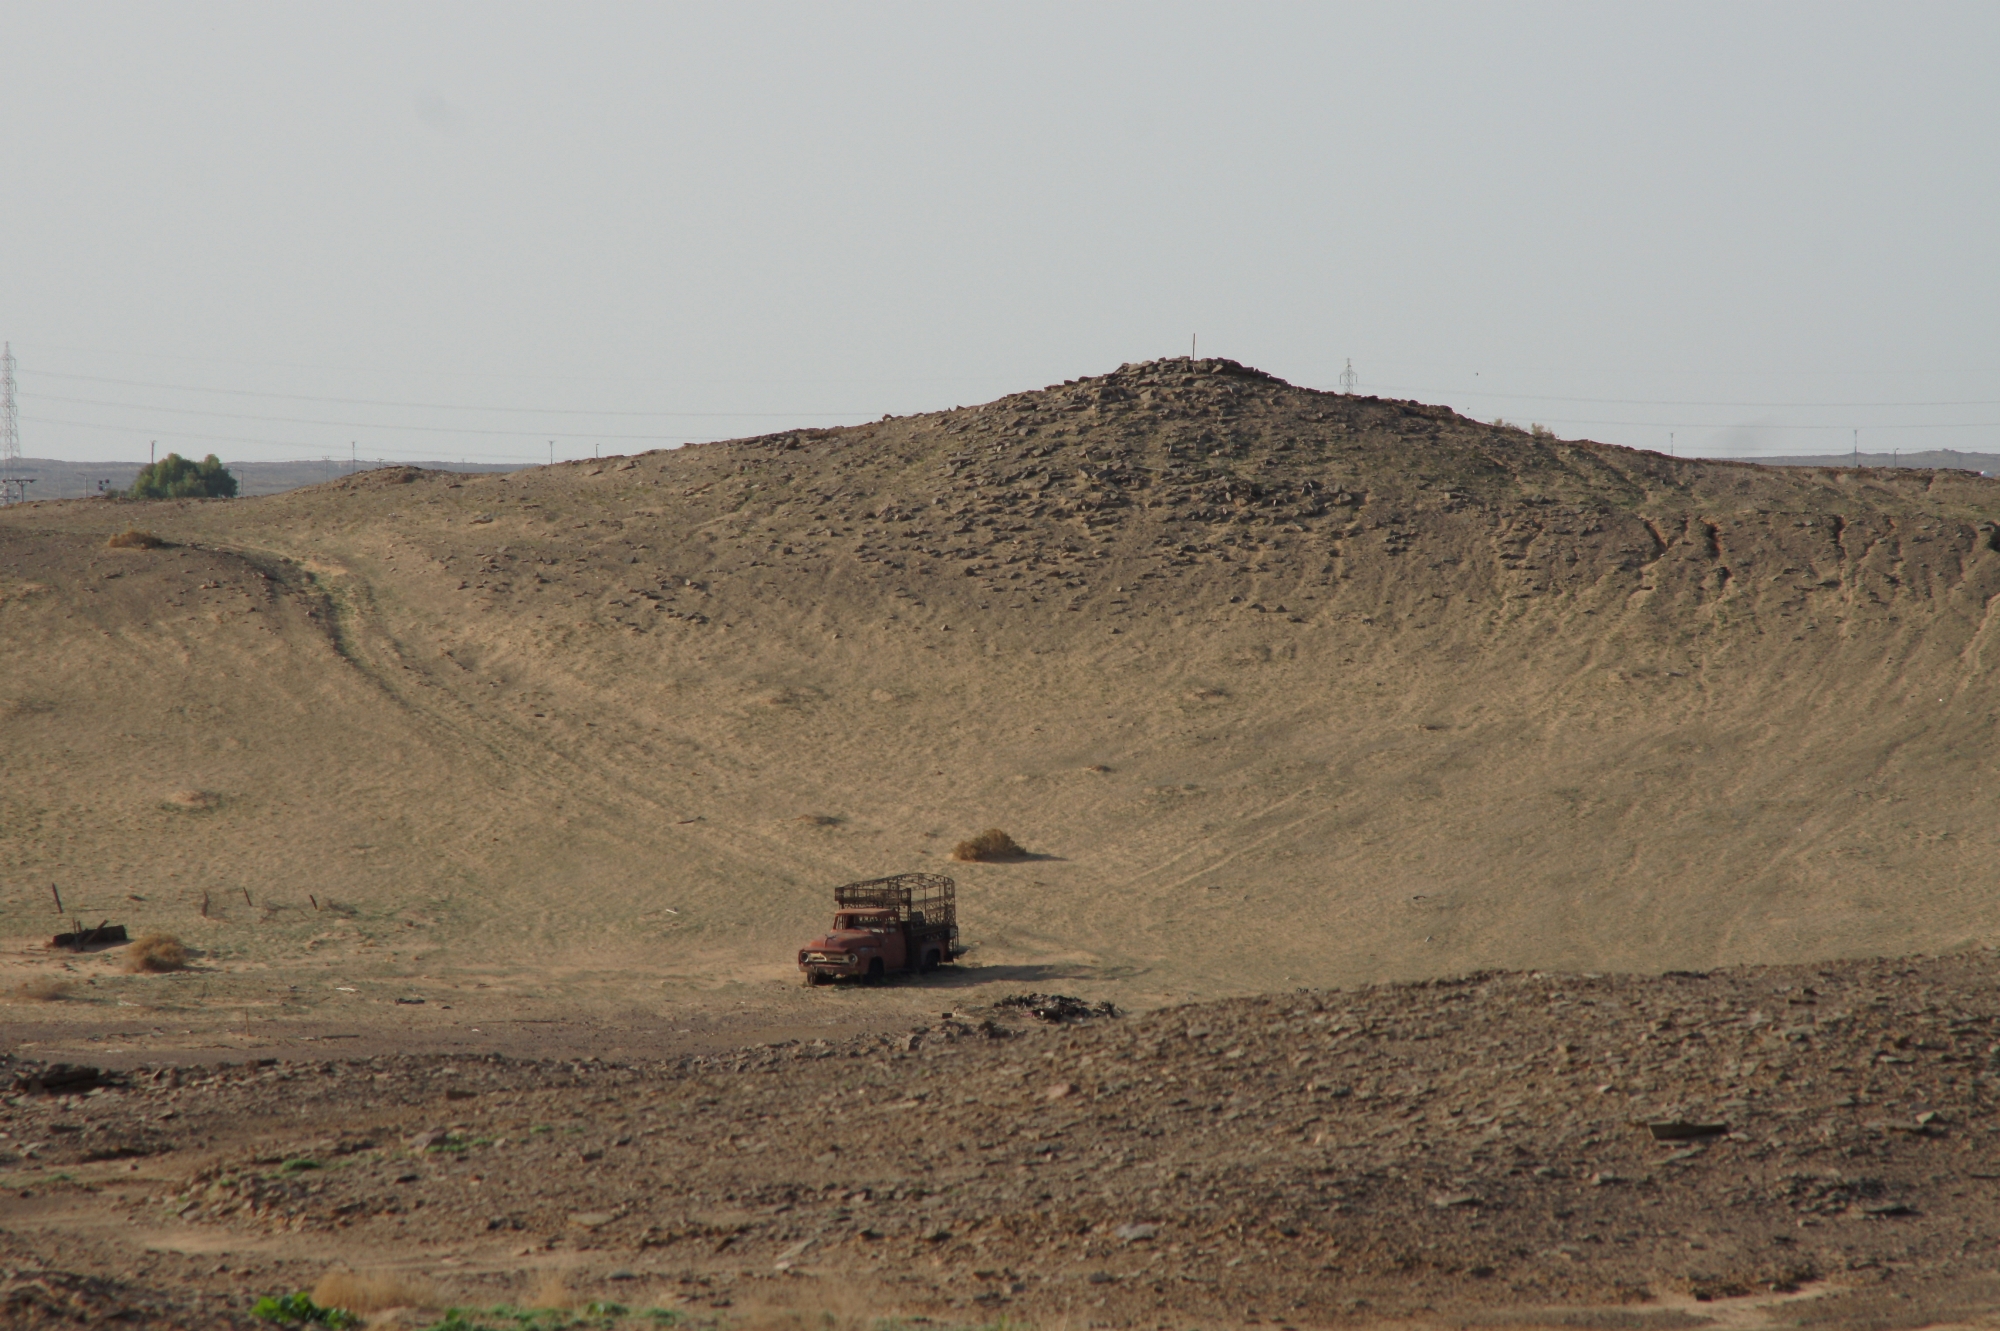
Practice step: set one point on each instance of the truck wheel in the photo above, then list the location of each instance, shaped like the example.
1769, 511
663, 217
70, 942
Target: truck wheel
930, 961
874, 970
813, 979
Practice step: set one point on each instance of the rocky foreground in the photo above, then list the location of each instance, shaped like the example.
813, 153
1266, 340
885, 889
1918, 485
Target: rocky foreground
1457, 1151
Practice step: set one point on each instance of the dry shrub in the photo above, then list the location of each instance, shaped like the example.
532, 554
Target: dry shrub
193, 799
992, 844
41, 989
374, 1292
134, 539
156, 953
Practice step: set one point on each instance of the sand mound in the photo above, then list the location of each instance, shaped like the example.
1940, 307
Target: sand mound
1282, 686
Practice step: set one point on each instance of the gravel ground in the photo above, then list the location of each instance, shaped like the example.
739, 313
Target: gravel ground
1456, 1151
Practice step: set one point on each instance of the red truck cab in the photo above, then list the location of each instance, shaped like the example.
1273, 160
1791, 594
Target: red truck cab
873, 938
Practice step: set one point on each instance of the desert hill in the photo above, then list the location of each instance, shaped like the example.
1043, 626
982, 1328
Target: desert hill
1280, 686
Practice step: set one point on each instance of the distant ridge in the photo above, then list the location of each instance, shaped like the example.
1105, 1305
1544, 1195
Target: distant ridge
1931, 459
55, 478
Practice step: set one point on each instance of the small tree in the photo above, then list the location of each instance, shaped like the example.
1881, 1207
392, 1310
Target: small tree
176, 477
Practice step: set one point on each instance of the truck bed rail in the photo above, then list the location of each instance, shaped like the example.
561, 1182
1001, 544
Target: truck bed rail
927, 901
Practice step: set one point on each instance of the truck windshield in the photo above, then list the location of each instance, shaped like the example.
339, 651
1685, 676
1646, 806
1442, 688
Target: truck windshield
865, 923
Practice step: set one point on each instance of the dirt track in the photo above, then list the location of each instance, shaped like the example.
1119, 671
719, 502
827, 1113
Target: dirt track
1453, 1153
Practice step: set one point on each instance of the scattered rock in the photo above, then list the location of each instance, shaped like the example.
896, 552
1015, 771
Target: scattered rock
1468, 1166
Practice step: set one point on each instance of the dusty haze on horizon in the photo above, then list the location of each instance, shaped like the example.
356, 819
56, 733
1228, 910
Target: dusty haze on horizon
459, 233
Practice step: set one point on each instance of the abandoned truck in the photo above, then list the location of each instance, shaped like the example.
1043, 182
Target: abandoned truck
906, 922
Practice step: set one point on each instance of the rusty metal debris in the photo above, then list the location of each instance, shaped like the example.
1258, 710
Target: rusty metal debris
104, 935
1678, 1130
61, 1079
1058, 1008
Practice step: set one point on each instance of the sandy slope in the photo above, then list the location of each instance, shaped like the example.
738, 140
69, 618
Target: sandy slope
1283, 687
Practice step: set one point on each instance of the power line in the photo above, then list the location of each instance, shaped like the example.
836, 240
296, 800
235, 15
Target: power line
390, 425
1761, 425
12, 487
10, 417
509, 376
1652, 368
1652, 402
375, 402
316, 449
1347, 380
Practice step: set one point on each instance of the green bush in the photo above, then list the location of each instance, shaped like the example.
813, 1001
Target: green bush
175, 477
299, 1310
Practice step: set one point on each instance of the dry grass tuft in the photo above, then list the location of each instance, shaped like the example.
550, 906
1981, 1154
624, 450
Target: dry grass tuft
551, 1291
134, 539
818, 1305
992, 844
41, 989
156, 953
374, 1293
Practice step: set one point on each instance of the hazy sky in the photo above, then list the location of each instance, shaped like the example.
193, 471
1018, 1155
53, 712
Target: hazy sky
460, 231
